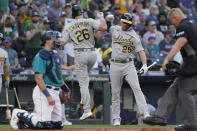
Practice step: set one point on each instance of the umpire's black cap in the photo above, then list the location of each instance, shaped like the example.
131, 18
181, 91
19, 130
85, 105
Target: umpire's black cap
127, 18
76, 11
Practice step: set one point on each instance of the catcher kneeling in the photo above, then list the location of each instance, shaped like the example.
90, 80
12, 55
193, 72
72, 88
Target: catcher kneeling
47, 105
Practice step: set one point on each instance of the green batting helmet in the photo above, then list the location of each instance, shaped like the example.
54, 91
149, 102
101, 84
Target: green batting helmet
76, 11
127, 18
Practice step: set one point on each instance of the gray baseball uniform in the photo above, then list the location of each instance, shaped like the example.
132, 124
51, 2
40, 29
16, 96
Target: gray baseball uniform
4, 61
124, 44
81, 32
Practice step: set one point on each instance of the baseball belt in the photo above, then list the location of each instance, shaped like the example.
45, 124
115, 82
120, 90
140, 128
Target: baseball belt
54, 88
84, 49
121, 61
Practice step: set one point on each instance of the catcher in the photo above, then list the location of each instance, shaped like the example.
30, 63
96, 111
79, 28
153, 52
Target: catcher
47, 105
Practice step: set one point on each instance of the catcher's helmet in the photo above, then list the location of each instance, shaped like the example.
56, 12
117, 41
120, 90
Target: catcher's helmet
49, 35
76, 11
127, 18
173, 68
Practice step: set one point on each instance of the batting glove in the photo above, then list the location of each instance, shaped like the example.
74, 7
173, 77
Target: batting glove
7, 83
143, 69
100, 16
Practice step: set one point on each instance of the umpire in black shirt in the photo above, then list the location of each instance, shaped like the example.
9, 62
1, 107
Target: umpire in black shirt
184, 87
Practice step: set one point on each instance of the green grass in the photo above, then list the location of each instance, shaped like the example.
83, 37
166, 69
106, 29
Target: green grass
122, 126
103, 126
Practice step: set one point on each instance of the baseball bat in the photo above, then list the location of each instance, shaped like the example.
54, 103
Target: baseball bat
18, 102
8, 112
154, 63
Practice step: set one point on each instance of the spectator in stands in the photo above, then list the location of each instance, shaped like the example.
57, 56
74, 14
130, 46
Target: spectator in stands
146, 8
163, 8
68, 10
142, 23
33, 35
194, 8
19, 46
152, 30
46, 23
163, 22
125, 5
166, 45
14, 11
138, 11
8, 26
117, 15
59, 27
154, 11
54, 12
24, 19
43, 10
186, 6
105, 50
152, 48
12, 54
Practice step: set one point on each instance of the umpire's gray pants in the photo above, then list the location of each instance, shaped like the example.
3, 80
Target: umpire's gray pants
180, 91
84, 61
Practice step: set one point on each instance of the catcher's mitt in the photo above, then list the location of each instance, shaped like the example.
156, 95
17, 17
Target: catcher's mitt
64, 97
173, 68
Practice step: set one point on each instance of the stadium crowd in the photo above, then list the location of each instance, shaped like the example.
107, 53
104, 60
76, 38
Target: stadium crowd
23, 22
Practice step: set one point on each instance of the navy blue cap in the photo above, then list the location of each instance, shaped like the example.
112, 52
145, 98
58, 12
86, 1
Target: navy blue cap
8, 39
151, 37
13, 7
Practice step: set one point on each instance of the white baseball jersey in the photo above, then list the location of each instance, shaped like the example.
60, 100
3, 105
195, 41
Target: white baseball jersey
81, 32
3, 60
124, 43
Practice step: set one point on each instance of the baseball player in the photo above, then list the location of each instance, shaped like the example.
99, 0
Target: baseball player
124, 43
81, 32
47, 105
4, 65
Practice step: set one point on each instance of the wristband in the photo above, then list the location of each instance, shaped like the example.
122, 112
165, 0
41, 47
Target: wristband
7, 78
46, 93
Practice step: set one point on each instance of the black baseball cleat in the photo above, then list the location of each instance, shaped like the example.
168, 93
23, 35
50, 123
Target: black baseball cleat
185, 128
155, 120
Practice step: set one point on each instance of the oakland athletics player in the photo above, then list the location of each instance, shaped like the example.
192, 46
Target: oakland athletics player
47, 106
80, 31
124, 43
4, 65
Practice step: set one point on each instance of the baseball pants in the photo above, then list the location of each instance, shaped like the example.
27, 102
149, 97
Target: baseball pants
180, 92
42, 109
84, 61
117, 72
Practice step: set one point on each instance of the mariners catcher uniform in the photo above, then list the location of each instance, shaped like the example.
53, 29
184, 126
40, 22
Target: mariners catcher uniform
81, 32
124, 44
45, 116
4, 61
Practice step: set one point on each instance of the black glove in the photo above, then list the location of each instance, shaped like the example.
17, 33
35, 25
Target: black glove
65, 88
173, 68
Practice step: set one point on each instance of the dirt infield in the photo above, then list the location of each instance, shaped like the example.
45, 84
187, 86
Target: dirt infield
92, 129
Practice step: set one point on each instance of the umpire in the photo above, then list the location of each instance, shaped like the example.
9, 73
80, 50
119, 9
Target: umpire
184, 87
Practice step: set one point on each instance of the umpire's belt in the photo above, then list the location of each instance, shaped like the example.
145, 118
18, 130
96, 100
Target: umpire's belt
54, 88
84, 49
121, 61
